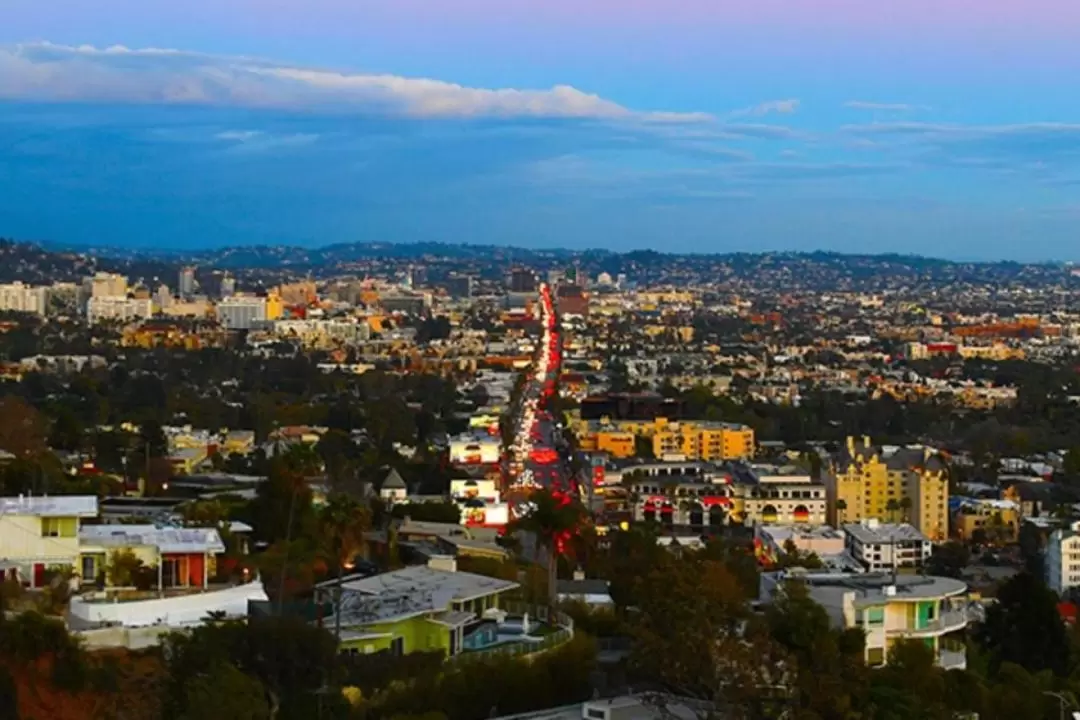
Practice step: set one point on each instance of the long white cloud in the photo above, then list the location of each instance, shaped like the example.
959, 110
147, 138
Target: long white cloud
45, 71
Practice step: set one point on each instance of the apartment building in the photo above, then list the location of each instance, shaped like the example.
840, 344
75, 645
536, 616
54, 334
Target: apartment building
893, 484
883, 547
786, 499
105, 284
985, 520
1063, 559
933, 610
16, 297
243, 312
120, 308
670, 439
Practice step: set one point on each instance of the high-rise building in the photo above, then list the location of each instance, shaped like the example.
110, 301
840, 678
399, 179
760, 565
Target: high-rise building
118, 307
16, 297
105, 284
459, 286
228, 286
242, 312
522, 280
909, 484
187, 283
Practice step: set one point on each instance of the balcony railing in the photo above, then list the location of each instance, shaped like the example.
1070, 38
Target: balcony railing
947, 622
952, 659
560, 631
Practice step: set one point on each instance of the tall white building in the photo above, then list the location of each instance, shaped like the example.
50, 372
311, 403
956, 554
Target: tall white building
105, 284
187, 282
100, 308
882, 547
1063, 559
16, 297
240, 312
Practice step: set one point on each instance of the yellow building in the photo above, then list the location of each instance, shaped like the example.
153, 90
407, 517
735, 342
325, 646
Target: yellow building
998, 521
39, 535
906, 484
685, 439
275, 308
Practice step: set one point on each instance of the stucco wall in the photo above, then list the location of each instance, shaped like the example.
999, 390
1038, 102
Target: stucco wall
175, 611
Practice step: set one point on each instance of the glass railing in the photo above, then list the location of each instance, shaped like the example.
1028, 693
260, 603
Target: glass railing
557, 630
946, 622
952, 659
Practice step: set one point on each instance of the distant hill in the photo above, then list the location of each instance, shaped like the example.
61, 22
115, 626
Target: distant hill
271, 263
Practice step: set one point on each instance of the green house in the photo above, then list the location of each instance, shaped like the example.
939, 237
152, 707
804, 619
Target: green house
416, 609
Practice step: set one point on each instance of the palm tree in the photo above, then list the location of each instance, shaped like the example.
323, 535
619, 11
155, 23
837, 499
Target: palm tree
841, 510
343, 522
552, 519
892, 507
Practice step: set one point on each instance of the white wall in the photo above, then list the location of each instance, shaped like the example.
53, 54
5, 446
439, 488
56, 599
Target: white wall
20, 539
180, 610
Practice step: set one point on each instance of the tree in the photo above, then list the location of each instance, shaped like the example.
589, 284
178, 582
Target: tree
439, 512
67, 432
342, 523
949, 559
689, 639
841, 511
288, 657
1024, 627
224, 691
892, 507
552, 519
830, 677
22, 427
643, 447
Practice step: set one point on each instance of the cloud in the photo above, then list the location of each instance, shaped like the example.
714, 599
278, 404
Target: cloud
1042, 149
883, 107
781, 107
49, 72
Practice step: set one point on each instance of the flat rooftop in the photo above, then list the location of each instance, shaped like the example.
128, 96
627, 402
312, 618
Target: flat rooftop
167, 540
884, 533
46, 506
872, 588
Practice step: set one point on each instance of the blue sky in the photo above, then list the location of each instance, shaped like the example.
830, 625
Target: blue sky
694, 131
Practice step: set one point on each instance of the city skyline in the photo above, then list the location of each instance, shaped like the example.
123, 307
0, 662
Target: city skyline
690, 128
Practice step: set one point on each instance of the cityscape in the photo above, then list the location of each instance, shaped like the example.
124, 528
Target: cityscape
633, 484
520, 360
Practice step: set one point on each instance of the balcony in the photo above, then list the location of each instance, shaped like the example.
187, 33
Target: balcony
947, 622
952, 659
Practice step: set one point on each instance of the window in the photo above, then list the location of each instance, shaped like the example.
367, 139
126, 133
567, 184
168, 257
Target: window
875, 656
596, 714
875, 616
58, 527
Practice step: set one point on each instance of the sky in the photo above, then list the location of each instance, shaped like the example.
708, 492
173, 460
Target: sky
938, 127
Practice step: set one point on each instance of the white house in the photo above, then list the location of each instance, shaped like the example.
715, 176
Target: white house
882, 546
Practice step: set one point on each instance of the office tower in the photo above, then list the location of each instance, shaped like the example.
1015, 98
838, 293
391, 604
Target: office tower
187, 283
